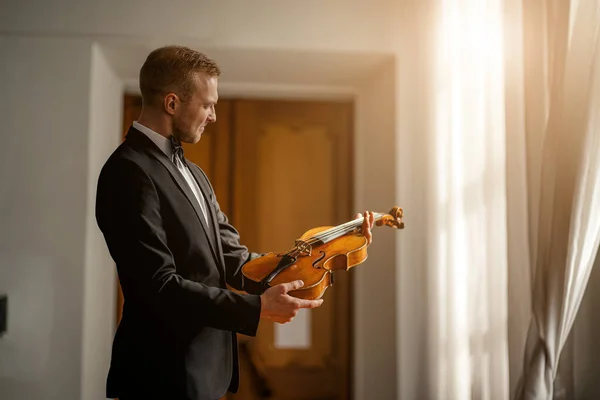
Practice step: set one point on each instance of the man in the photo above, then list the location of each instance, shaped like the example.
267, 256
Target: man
174, 248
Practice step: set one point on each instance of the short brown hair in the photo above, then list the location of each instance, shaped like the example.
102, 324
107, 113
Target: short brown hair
172, 69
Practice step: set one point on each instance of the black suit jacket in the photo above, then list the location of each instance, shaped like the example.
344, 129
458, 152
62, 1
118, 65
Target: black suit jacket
176, 339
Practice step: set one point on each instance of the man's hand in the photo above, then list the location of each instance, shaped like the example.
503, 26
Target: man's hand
278, 306
367, 225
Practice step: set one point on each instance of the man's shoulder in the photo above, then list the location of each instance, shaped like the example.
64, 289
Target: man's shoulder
124, 158
125, 154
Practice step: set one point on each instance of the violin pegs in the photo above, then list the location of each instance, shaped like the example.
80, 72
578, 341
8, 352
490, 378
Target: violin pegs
393, 219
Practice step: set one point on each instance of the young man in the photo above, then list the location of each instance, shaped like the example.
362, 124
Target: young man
174, 248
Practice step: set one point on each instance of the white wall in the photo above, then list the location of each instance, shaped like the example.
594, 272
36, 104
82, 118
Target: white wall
99, 295
413, 99
375, 281
61, 116
43, 197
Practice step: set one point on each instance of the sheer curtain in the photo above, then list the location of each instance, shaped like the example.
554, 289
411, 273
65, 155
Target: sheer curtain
511, 169
467, 271
566, 222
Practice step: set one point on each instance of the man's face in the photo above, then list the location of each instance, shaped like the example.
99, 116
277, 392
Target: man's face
192, 116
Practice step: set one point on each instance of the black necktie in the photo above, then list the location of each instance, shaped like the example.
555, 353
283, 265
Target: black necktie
177, 150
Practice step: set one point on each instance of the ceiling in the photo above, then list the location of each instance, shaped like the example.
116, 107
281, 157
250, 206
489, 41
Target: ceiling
244, 67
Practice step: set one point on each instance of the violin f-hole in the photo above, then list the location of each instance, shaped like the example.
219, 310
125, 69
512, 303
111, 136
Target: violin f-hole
322, 256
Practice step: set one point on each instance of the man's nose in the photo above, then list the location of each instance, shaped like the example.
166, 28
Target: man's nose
212, 117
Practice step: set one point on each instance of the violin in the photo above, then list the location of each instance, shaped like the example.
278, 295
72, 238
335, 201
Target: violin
315, 256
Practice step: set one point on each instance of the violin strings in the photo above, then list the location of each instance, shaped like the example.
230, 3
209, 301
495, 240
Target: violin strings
335, 232
339, 230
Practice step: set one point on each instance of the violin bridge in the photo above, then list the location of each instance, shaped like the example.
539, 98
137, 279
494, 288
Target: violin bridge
304, 248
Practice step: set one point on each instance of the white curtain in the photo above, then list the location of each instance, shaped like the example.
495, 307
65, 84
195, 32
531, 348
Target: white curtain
566, 221
468, 353
511, 193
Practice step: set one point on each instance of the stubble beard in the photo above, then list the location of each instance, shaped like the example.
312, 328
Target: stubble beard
184, 133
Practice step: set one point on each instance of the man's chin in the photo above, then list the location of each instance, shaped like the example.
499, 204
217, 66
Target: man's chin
199, 134
195, 139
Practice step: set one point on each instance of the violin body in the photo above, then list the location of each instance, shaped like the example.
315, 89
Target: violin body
314, 269
318, 253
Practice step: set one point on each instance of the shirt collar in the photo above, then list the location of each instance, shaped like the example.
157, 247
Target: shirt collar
159, 140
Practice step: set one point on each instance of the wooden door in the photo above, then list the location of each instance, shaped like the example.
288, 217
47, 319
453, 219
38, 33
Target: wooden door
292, 173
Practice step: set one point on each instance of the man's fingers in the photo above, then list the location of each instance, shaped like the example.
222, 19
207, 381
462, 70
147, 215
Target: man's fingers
294, 285
366, 220
309, 303
369, 218
368, 215
280, 320
366, 226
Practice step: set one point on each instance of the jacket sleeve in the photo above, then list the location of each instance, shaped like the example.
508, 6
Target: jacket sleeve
128, 213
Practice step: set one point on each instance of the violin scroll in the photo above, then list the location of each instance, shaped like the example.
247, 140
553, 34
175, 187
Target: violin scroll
393, 219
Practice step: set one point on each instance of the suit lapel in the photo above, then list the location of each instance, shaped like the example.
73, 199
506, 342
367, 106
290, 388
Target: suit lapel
183, 186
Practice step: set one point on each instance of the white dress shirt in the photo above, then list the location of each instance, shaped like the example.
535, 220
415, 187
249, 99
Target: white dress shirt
165, 145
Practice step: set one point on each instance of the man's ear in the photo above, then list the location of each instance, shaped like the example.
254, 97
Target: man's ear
171, 102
